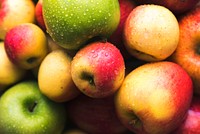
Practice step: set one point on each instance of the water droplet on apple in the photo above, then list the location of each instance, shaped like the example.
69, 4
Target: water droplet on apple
95, 55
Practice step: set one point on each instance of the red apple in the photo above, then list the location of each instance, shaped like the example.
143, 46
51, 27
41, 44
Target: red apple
95, 116
39, 15
154, 98
191, 125
187, 51
126, 6
14, 12
26, 45
176, 6
98, 69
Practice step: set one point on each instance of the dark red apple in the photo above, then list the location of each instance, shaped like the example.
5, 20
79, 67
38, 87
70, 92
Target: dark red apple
176, 6
95, 116
126, 6
191, 125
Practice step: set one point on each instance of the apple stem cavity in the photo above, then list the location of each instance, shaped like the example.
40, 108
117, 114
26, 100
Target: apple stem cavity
88, 77
32, 107
31, 60
198, 49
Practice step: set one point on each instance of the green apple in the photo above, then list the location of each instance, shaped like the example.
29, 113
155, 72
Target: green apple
72, 23
24, 110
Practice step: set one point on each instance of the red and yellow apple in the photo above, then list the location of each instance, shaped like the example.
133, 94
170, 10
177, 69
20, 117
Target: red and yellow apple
154, 98
15, 12
98, 69
151, 32
95, 116
26, 45
187, 53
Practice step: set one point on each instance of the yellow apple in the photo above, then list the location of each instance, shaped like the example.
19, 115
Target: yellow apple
9, 72
151, 32
54, 77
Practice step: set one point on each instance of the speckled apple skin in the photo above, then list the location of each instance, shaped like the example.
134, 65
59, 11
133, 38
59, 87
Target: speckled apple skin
151, 33
154, 98
102, 61
24, 42
187, 52
15, 12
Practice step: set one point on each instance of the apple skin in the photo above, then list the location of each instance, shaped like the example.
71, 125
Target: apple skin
26, 45
9, 72
13, 13
98, 69
73, 23
150, 100
39, 15
191, 124
95, 116
25, 110
187, 51
178, 7
54, 77
145, 39
126, 6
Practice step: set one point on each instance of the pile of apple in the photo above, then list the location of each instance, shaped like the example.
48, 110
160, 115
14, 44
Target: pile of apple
99, 67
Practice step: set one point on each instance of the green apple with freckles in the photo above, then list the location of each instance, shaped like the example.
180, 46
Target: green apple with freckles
98, 69
26, 45
73, 23
154, 98
15, 12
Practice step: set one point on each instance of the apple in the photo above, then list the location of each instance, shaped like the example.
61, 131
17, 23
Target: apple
151, 33
126, 6
13, 13
187, 52
9, 72
95, 116
39, 15
73, 23
26, 45
178, 7
54, 77
98, 69
24, 110
191, 124
154, 98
